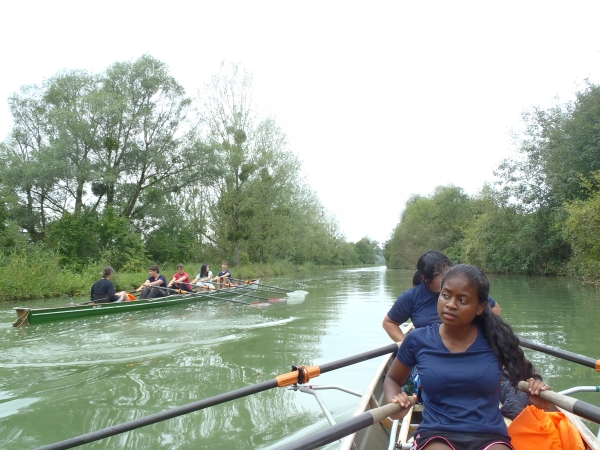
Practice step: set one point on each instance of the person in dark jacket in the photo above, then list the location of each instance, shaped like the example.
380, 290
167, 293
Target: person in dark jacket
103, 291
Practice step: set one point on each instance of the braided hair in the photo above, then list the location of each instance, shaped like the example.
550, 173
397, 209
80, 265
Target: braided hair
500, 335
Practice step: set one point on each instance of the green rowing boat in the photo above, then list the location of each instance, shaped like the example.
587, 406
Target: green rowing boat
35, 316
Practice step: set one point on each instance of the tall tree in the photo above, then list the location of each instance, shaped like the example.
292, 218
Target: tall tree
435, 222
120, 138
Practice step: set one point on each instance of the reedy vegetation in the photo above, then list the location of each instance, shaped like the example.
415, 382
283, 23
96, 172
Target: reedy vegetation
122, 168
541, 217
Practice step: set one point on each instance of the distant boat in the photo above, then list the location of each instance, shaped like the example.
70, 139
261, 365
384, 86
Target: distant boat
35, 316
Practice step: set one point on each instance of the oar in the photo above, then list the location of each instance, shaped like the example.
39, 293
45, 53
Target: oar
289, 294
559, 353
286, 379
215, 294
343, 429
266, 285
570, 404
272, 299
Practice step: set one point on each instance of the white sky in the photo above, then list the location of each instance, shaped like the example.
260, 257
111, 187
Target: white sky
379, 99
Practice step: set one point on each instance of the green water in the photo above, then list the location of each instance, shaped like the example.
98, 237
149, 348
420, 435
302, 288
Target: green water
69, 378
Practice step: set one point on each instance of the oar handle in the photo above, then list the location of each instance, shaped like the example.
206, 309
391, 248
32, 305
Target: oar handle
343, 429
570, 404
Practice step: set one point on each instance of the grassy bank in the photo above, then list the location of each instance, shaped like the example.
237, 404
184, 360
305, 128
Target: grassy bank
37, 274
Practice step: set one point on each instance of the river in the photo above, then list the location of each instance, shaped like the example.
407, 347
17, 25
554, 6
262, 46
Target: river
69, 378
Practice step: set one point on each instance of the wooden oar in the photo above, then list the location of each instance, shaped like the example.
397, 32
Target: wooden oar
286, 379
266, 285
343, 429
570, 404
559, 353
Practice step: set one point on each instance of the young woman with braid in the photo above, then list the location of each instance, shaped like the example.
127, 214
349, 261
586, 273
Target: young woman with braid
460, 365
419, 304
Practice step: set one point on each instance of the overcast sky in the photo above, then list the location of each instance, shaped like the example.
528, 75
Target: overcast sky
379, 99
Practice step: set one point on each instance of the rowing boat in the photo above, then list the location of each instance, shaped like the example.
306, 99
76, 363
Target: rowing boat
35, 316
381, 435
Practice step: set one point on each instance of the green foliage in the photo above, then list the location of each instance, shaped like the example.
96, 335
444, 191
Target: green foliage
90, 237
582, 230
366, 250
434, 222
171, 242
504, 237
559, 150
34, 272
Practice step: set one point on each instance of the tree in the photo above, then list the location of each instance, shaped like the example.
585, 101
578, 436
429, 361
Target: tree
582, 232
119, 139
229, 123
367, 251
434, 222
262, 204
91, 236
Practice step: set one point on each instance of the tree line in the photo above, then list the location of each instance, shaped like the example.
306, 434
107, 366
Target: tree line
541, 217
122, 167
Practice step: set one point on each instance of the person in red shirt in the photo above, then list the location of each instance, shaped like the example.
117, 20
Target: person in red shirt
181, 279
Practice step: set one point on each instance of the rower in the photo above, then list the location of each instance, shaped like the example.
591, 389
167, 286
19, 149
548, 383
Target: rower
103, 291
154, 286
223, 278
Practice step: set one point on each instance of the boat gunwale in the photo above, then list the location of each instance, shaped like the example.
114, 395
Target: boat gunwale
365, 401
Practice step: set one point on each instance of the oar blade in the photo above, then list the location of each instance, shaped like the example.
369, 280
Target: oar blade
277, 300
259, 304
299, 293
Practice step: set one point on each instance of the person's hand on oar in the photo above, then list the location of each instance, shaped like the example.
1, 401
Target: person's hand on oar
404, 401
535, 388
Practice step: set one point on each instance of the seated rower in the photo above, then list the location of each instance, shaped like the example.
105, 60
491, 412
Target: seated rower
103, 291
204, 278
181, 279
154, 286
223, 278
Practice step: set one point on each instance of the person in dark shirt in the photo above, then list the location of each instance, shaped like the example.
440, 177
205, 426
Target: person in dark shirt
103, 291
154, 286
420, 302
223, 278
460, 365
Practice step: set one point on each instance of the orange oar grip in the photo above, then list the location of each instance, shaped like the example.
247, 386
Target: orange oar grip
287, 379
598, 366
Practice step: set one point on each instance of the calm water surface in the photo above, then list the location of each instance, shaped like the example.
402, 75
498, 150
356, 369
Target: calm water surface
69, 378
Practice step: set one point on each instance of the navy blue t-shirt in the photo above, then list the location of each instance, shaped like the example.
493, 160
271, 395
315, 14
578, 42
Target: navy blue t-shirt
420, 305
460, 391
159, 277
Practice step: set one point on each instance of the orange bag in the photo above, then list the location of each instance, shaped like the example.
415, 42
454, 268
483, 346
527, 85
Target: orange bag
535, 428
